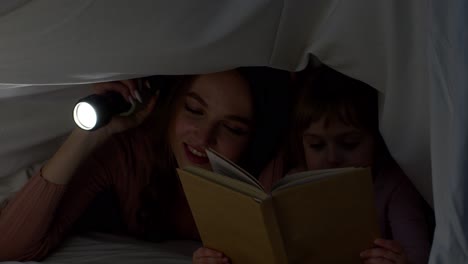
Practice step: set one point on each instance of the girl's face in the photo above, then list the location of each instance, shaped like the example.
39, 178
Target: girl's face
329, 143
216, 112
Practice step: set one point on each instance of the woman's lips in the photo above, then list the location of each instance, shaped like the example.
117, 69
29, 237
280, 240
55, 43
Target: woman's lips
195, 156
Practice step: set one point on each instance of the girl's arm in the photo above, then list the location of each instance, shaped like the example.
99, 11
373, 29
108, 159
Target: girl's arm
408, 221
405, 213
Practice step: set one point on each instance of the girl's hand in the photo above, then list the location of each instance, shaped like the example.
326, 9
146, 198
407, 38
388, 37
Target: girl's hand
206, 255
386, 252
129, 90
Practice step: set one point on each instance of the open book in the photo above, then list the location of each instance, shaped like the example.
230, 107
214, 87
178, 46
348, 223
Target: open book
325, 216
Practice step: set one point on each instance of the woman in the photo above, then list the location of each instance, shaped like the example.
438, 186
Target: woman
135, 158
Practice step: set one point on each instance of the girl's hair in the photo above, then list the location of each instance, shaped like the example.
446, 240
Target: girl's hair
325, 93
269, 90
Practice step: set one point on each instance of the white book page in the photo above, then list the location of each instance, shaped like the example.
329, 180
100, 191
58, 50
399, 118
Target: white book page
223, 166
308, 176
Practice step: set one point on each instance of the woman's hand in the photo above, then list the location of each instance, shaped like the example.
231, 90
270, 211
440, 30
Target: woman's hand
206, 255
386, 252
129, 90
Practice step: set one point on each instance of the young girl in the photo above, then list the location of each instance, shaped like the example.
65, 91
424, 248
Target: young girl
135, 158
335, 124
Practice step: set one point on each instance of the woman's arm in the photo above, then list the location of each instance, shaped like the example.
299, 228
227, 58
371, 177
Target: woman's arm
78, 146
37, 218
209, 256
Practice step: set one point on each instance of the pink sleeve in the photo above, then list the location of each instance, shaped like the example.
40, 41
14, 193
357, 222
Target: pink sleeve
39, 216
408, 222
272, 173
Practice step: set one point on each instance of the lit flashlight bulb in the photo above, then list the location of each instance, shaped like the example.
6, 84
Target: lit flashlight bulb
96, 110
85, 116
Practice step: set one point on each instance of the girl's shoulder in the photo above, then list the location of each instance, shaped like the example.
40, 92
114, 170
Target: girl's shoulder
391, 181
388, 173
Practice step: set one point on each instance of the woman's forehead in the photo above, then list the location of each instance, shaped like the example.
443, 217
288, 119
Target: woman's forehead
223, 92
226, 81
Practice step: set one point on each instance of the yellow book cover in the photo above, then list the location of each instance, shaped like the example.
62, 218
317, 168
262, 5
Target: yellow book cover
325, 216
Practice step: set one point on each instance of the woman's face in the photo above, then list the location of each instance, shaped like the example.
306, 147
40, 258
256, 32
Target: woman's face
217, 112
329, 143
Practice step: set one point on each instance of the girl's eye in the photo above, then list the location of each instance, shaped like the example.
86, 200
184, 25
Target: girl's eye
350, 145
193, 110
317, 146
236, 130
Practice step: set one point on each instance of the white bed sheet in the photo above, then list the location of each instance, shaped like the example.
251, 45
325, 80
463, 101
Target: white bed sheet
110, 249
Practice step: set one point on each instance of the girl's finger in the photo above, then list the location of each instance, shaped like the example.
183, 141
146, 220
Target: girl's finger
390, 245
377, 261
379, 253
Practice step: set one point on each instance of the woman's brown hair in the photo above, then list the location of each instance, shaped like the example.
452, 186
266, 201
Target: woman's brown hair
269, 89
156, 196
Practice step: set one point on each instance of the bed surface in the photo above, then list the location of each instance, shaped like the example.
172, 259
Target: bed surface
110, 249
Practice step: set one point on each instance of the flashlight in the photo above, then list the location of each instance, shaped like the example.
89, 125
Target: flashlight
96, 110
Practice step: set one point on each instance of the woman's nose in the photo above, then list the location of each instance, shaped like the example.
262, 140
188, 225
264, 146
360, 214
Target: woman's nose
207, 135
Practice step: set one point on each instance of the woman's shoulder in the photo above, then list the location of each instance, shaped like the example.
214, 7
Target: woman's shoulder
136, 140
130, 150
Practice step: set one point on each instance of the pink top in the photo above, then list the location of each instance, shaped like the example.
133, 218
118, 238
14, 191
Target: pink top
400, 208
41, 214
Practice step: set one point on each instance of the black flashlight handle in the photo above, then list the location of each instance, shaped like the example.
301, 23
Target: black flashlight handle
115, 103
107, 105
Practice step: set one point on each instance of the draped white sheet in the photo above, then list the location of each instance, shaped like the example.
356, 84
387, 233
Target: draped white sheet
414, 52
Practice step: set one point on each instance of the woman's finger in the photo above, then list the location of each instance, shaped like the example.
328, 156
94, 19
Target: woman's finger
143, 114
133, 87
209, 260
207, 255
206, 252
101, 88
122, 123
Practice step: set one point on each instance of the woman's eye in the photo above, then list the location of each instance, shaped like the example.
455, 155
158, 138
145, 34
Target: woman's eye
193, 110
236, 130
